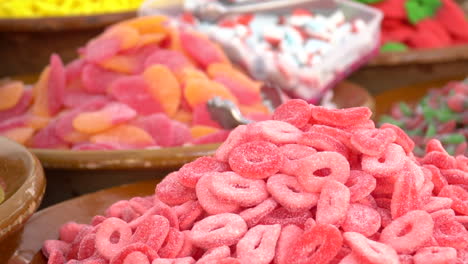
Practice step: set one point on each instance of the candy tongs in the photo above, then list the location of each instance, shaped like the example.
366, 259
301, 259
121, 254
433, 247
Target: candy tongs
215, 10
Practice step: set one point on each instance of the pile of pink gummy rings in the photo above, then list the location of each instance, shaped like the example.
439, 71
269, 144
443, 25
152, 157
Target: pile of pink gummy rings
311, 186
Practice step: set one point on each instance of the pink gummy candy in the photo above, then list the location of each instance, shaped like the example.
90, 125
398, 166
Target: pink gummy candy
218, 230
190, 173
288, 192
333, 203
296, 112
105, 244
258, 244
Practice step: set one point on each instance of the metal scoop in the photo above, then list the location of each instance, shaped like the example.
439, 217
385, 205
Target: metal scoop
228, 115
215, 10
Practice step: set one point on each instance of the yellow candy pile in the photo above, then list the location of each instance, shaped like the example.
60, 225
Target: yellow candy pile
43, 8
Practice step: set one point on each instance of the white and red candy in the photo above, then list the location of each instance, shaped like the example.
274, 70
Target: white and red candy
311, 186
297, 49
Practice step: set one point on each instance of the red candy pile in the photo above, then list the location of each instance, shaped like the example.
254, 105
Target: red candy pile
311, 186
142, 83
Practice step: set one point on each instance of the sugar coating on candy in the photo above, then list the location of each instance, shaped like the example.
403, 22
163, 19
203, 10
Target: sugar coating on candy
253, 215
389, 208
435, 255
341, 117
369, 250
234, 139
313, 171
295, 112
292, 154
277, 132
209, 201
333, 203
360, 185
408, 232
230, 186
224, 229
190, 173
104, 245
373, 142
362, 219
318, 245
171, 192
256, 159
288, 192
258, 244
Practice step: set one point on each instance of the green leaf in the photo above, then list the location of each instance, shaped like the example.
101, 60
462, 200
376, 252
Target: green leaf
431, 130
405, 109
418, 10
453, 139
393, 47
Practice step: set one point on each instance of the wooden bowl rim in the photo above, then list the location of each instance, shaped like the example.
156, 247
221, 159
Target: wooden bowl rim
426, 56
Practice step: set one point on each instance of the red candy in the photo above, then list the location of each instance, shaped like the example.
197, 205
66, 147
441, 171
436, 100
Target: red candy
319, 245
313, 171
218, 230
256, 159
295, 112
289, 193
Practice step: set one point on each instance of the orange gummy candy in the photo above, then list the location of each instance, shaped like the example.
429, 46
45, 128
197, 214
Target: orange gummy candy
227, 70
92, 122
124, 135
19, 134
200, 131
10, 94
183, 116
164, 87
128, 36
40, 94
199, 91
119, 63
147, 24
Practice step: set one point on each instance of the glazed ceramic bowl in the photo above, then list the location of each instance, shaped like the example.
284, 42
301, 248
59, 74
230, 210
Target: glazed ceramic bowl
25, 186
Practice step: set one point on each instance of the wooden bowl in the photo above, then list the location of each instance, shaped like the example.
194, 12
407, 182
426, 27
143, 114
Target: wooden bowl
26, 44
399, 69
45, 223
25, 186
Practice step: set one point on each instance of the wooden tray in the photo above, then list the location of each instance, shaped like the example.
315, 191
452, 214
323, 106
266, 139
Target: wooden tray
45, 224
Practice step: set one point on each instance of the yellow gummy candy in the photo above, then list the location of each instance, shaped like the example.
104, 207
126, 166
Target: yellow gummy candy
42, 8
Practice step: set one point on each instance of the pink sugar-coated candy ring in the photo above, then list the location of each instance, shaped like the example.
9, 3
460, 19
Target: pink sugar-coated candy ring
235, 138
341, 117
122, 255
437, 203
360, 184
104, 245
232, 187
158, 209
319, 245
323, 142
289, 193
337, 165
459, 197
339, 134
288, 236
447, 231
215, 254
373, 142
87, 246
389, 162
152, 231
211, 203
258, 244
185, 260
292, 153
294, 111
421, 227
276, 132
136, 257
75, 245
362, 219
284, 217
333, 203
122, 210
172, 192
188, 249
256, 159
218, 230
434, 255
371, 251
140, 204
440, 160
54, 245
172, 244
191, 172
189, 212
69, 231
253, 215
402, 138
406, 189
